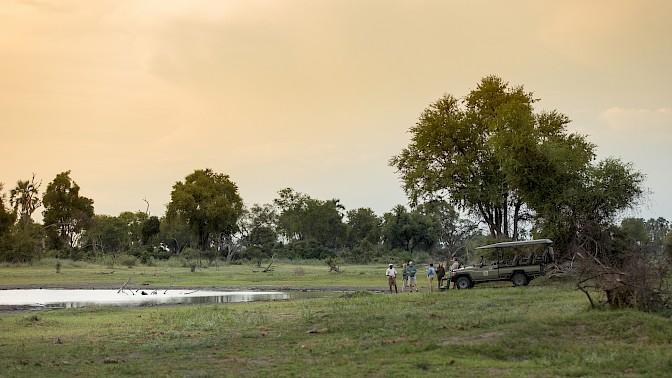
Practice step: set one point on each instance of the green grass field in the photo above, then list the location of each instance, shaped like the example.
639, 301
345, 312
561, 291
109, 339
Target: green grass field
543, 330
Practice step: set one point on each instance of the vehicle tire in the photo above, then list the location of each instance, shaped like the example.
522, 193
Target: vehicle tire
463, 283
519, 279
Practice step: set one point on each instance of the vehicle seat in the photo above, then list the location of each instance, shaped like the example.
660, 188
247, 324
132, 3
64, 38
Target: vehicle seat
515, 261
530, 258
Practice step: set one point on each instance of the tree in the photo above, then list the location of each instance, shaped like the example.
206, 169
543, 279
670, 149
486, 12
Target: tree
210, 204
323, 222
291, 206
454, 232
492, 156
258, 227
66, 213
657, 229
108, 234
25, 199
150, 227
362, 225
7, 218
455, 154
634, 229
175, 234
409, 230
303, 218
578, 218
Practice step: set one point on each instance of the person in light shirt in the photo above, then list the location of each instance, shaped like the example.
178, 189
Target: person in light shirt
392, 278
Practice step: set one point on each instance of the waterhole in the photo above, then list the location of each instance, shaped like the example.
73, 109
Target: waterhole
62, 298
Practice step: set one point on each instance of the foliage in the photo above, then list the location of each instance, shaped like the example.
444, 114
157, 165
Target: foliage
410, 230
175, 234
454, 231
7, 219
210, 204
306, 249
362, 225
66, 213
259, 235
457, 153
625, 272
302, 218
150, 227
21, 243
25, 199
492, 156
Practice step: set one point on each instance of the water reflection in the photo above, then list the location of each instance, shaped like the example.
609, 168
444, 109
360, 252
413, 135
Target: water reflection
81, 298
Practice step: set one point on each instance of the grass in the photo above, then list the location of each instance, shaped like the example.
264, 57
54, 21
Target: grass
283, 275
545, 330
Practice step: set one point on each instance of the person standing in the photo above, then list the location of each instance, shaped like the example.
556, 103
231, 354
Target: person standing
412, 282
440, 274
431, 272
453, 268
392, 278
404, 277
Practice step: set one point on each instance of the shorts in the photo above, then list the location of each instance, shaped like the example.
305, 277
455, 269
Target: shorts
392, 280
411, 280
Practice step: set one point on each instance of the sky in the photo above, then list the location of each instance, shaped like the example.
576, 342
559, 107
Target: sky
132, 96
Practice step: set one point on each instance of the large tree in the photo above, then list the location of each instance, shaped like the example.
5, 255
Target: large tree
491, 155
66, 213
210, 204
455, 154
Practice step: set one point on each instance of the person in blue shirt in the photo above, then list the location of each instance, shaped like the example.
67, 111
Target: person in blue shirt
431, 272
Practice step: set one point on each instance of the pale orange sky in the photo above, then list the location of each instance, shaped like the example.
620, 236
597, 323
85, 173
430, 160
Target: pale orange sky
134, 95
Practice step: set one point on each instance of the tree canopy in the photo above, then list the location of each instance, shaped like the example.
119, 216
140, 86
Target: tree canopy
210, 204
66, 213
492, 156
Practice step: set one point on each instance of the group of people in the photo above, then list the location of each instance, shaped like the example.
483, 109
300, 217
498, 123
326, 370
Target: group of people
410, 271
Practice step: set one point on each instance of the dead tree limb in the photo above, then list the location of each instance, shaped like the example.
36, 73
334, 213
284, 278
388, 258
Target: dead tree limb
124, 285
268, 268
333, 265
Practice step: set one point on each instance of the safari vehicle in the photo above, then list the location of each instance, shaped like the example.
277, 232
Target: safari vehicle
516, 261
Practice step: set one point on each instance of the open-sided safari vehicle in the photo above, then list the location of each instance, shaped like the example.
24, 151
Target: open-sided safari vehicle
517, 261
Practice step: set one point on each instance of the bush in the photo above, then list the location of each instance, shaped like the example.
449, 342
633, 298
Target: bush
127, 260
626, 275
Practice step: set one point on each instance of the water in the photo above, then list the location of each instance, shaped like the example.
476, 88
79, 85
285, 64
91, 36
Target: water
80, 298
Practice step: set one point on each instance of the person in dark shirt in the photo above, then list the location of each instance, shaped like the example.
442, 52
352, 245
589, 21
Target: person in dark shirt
440, 274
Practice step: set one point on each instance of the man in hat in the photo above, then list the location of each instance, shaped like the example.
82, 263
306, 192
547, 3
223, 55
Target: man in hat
392, 278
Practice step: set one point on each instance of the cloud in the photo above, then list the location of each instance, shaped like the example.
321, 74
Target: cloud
644, 122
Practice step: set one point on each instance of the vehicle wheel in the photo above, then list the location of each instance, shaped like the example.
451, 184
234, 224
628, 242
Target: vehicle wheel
463, 282
519, 279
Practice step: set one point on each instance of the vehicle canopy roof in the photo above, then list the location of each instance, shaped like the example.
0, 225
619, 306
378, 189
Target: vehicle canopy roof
517, 243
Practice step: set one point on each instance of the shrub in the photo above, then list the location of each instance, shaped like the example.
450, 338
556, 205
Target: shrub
626, 275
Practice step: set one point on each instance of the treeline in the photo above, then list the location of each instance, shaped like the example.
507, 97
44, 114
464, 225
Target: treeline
514, 172
206, 219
